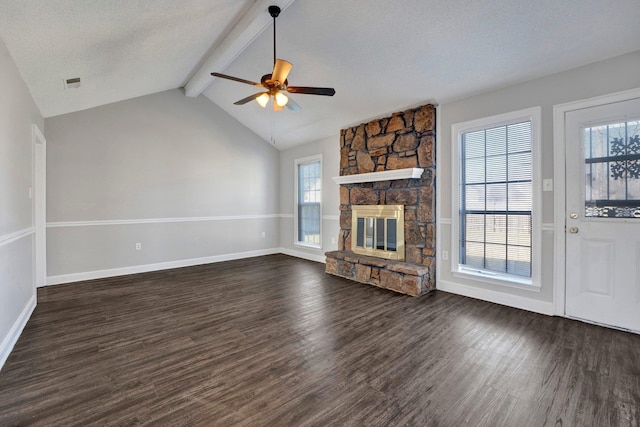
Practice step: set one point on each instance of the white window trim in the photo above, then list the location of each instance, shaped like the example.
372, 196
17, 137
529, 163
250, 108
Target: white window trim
534, 283
297, 162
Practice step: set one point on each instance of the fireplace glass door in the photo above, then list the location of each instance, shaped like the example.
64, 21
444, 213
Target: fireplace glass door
379, 230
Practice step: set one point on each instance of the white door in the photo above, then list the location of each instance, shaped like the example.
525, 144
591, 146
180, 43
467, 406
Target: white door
603, 214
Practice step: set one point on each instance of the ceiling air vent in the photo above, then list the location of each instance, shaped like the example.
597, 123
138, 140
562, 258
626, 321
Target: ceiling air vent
73, 83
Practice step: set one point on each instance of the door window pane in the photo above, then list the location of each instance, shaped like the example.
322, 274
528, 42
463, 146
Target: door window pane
392, 238
612, 170
360, 234
368, 233
380, 233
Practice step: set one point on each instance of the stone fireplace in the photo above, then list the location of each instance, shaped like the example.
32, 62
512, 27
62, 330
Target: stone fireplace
389, 161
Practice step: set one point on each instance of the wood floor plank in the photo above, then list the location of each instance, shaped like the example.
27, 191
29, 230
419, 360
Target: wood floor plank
273, 341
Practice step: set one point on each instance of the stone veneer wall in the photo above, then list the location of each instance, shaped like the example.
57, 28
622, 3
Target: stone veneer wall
404, 140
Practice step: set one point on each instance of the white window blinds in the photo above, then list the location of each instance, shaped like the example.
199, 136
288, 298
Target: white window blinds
496, 197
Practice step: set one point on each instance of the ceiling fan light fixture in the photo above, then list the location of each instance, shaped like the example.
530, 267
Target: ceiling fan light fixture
276, 83
281, 99
263, 99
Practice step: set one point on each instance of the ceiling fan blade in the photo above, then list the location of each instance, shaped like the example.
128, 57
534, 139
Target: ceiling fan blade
326, 91
249, 98
236, 79
293, 105
281, 70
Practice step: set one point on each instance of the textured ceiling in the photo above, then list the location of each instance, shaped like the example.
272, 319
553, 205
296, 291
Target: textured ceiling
120, 48
381, 56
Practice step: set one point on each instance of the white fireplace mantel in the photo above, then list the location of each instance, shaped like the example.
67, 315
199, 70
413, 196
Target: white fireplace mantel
409, 173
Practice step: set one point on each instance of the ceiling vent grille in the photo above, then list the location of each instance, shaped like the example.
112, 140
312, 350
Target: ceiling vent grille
73, 83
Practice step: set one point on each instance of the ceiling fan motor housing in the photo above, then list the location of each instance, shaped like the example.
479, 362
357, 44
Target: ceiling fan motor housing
268, 82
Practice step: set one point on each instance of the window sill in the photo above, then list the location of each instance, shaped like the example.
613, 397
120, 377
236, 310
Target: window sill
497, 279
307, 245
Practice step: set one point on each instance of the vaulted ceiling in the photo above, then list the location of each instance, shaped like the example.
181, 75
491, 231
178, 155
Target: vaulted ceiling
380, 56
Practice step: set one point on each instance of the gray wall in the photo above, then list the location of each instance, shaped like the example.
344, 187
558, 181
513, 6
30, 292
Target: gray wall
176, 174
612, 75
329, 148
17, 113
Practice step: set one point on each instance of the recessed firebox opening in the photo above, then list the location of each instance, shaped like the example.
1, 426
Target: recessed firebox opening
378, 230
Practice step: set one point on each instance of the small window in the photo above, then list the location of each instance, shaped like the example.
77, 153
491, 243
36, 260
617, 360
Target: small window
308, 216
495, 231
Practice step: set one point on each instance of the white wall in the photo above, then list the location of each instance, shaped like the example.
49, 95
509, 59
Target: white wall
612, 75
17, 291
329, 148
176, 174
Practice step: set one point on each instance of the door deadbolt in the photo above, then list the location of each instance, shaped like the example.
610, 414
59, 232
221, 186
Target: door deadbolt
573, 215
573, 230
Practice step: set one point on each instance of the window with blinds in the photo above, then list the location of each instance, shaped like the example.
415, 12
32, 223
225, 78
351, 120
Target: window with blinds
308, 197
496, 199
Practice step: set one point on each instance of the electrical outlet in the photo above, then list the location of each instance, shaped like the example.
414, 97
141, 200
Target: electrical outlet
138, 246
264, 234
333, 240
445, 255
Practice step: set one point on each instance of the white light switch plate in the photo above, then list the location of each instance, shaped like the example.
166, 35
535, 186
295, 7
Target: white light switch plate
547, 184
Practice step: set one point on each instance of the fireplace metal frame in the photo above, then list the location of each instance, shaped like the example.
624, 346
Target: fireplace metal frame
379, 212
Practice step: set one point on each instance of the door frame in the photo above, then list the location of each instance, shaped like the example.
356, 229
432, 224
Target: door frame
39, 206
559, 186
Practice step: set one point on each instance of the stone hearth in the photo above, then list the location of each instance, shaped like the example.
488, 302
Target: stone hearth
404, 140
397, 276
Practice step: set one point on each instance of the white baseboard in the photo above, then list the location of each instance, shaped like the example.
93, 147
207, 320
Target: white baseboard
14, 333
304, 255
99, 274
509, 300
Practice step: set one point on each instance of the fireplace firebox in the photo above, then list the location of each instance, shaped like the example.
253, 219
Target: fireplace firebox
378, 230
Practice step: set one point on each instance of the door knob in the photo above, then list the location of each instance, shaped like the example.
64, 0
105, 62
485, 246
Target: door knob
573, 230
573, 215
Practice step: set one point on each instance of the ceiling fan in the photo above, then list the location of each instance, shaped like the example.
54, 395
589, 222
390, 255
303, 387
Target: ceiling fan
276, 83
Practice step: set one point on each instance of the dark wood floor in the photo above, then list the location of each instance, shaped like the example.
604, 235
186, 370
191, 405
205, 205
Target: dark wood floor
273, 341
